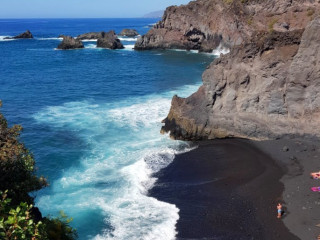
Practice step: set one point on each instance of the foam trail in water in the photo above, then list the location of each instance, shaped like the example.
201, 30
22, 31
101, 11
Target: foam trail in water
114, 175
49, 38
2, 38
127, 39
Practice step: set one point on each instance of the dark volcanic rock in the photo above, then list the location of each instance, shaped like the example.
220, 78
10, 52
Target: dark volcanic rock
70, 43
26, 34
90, 36
129, 33
206, 24
109, 40
266, 88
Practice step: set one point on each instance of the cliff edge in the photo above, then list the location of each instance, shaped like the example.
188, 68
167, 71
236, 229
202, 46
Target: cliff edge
265, 88
205, 24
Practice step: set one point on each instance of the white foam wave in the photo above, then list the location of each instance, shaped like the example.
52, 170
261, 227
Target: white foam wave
127, 39
89, 40
142, 114
115, 175
91, 46
2, 38
220, 50
128, 47
49, 38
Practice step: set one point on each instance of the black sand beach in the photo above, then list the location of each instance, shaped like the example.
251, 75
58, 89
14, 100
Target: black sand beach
229, 189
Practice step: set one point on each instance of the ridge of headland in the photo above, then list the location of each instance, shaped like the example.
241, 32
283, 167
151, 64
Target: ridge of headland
267, 87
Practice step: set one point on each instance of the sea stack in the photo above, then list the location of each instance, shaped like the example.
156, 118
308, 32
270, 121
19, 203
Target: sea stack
129, 32
69, 42
109, 40
27, 34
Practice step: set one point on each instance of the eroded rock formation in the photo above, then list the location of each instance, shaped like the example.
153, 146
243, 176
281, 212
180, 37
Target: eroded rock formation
265, 88
90, 36
205, 24
26, 34
109, 40
70, 43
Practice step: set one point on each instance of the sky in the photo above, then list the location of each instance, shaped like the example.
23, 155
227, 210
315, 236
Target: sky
82, 8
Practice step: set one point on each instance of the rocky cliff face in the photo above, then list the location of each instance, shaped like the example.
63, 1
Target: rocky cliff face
265, 88
205, 24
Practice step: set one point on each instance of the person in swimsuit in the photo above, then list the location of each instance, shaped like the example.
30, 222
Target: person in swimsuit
279, 208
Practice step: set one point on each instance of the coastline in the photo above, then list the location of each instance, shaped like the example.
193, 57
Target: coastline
229, 189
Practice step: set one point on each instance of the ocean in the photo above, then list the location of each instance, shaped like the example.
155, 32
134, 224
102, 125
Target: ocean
92, 119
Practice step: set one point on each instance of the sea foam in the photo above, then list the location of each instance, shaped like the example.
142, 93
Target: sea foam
128, 39
2, 38
220, 50
116, 172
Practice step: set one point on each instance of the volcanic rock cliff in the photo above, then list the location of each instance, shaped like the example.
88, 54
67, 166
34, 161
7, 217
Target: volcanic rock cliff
266, 88
205, 24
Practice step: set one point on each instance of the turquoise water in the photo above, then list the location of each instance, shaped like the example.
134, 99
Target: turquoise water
92, 118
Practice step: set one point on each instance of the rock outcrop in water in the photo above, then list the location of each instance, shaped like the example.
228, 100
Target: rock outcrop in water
205, 24
26, 34
265, 88
90, 36
70, 43
109, 40
129, 32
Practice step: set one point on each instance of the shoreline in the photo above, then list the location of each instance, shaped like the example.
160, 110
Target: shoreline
229, 189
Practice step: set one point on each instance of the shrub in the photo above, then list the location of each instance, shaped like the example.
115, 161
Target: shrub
271, 24
17, 223
16, 165
18, 219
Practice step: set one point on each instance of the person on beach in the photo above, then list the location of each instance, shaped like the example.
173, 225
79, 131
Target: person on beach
279, 207
315, 175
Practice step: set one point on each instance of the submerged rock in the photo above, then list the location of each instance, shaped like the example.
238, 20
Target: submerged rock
109, 40
129, 33
26, 34
70, 43
265, 88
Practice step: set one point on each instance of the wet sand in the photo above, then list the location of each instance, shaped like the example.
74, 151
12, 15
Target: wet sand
229, 189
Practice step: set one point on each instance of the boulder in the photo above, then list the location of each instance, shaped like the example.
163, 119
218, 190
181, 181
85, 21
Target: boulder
90, 36
129, 32
70, 43
109, 40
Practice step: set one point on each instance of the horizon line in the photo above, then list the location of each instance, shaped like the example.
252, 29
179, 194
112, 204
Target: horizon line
79, 18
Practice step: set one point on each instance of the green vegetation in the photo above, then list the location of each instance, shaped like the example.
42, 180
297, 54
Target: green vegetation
228, 1
17, 223
271, 24
310, 12
19, 219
